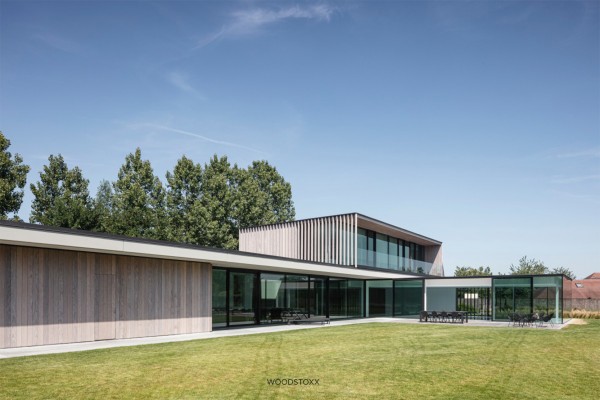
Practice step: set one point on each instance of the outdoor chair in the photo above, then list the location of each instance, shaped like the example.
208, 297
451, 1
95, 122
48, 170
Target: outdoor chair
434, 316
423, 316
444, 316
546, 319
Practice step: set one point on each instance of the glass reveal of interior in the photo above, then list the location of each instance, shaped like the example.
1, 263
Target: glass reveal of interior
380, 295
528, 295
382, 251
345, 298
475, 301
408, 297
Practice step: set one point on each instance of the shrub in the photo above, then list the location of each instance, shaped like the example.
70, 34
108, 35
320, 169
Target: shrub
582, 314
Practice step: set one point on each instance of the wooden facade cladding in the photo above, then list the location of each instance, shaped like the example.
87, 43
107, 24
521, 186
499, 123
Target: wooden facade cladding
50, 296
325, 240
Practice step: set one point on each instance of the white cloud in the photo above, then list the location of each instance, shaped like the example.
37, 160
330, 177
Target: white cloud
245, 22
594, 152
58, 42
181, 82
576, 179
191, 134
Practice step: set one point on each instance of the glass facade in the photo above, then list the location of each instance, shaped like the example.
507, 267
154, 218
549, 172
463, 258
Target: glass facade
380, 298
377, 250
475, 301
408, 297
253, 297
242, 306
219, 298
345, 298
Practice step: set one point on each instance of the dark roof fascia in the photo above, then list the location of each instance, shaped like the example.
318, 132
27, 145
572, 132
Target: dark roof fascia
499, 276
366, 217
377, 221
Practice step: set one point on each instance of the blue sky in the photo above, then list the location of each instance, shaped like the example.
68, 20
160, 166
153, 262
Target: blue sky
475, 123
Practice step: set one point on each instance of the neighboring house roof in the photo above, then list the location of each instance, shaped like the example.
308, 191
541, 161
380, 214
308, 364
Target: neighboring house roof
595, 275
588, 288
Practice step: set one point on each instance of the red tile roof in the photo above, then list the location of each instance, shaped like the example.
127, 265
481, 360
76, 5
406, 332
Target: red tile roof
589, 287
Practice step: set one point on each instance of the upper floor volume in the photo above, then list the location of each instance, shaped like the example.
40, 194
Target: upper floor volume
352, 240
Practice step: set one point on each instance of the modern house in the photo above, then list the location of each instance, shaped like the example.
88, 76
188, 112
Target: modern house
61, 285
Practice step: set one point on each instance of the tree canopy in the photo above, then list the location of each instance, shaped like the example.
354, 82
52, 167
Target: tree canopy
13, 176
534, 267
61, 197
471, 271
138, 201
203, 205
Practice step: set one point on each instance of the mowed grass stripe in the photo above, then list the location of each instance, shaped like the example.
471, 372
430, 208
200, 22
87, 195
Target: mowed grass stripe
378, 360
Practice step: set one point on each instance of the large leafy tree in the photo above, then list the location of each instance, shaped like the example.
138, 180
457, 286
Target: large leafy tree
138, 201
103, 206
565, 271
528, 266
13, 175
263, 196
218, 188
471, 271
61, 197
187, 215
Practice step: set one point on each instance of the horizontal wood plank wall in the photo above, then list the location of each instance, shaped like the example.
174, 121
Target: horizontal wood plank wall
54, 296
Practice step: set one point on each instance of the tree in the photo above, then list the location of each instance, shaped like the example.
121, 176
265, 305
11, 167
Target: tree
61, 197
138, 201
528, 267
263, 196
471, 271
218, 200
13, 176
187, 216
565, 271
103, 206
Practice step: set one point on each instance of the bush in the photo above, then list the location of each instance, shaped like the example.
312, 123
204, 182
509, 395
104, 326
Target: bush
582, 314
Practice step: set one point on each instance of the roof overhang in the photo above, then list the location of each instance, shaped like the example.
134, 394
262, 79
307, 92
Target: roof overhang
65, 239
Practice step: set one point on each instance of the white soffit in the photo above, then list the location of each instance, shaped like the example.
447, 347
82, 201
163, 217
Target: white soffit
459, 282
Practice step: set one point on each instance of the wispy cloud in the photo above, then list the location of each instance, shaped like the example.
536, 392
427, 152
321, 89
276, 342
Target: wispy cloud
245, 22
192, 134
181, 82
576, 179
594, 152
58, 42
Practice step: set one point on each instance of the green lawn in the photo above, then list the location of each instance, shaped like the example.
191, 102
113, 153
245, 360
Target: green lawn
378, 360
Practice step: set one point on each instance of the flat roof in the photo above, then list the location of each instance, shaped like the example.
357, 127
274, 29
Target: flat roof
34, 235
398, 232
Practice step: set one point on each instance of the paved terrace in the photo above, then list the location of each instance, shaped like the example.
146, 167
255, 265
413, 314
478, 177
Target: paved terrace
107, 344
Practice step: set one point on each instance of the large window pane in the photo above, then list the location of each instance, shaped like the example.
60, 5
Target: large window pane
362, 246
379, 298
511, 295
219, 298
241, 298
408, 297
393, 253
296, 293
271, 297
355, 298
318, 296
382, 251
370, 249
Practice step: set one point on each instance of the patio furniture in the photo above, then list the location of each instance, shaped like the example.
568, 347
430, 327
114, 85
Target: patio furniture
434, 316
423, 316
546, 319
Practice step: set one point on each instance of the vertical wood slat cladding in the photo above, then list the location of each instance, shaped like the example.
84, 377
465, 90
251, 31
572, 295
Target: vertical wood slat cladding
328, 239
56, 296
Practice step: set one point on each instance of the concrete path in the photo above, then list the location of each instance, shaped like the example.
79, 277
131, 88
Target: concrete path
106, 344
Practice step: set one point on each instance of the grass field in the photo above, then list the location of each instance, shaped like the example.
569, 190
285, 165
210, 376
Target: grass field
378, 360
